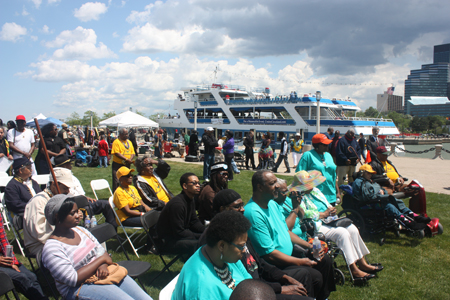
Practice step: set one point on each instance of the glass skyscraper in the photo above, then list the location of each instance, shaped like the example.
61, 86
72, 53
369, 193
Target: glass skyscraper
432, 80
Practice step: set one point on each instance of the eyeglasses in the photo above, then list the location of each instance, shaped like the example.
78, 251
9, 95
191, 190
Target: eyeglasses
284, 193
195, 182
223, 173
240, 248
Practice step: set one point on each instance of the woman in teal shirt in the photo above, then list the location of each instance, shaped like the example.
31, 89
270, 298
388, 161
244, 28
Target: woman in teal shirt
316, 207
319, 159
215, 269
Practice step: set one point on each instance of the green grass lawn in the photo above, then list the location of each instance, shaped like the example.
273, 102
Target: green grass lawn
414, 269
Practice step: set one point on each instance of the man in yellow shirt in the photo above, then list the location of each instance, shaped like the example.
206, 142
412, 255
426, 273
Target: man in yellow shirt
149, 181
122, 153
387, 175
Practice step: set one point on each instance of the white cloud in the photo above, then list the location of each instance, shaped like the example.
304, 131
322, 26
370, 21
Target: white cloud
79, 44
90, 11
34, 38
152, 84
191, 39
12, 32
37, 3
24, 12
53, 1
115, 34
46, 30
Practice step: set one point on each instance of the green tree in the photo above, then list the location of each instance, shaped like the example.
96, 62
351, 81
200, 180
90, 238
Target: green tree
86, 121
371, 112
140, 113
419, 124
108, 115
73, 119
153, 117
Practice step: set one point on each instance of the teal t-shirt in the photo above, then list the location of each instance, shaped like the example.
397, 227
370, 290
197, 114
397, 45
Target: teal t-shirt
311, 160
269, 230
285, 209
199, 281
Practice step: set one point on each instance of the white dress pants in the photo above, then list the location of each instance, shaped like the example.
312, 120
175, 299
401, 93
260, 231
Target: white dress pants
296, 156
348, 240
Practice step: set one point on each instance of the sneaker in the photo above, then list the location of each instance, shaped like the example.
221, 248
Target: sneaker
422, 219
207, 180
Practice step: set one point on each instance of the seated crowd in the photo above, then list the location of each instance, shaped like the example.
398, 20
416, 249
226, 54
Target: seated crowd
230, 249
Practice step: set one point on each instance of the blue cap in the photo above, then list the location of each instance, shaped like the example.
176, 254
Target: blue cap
21, 162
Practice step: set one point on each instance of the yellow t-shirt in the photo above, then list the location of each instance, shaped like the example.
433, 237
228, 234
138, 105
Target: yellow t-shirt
126, 149
159, 190
390, 171
123, 198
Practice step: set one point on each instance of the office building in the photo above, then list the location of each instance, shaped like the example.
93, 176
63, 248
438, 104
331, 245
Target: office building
428, 106
389, 102
432, 80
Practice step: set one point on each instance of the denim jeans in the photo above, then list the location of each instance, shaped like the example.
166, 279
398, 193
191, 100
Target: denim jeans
209, 160
103, 161
126, 289
25, 282
88, 159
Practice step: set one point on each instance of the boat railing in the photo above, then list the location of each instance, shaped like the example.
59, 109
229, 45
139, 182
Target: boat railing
348, 118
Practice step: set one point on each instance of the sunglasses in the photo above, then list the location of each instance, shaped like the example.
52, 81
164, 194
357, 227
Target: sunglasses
223, 173
240, 248
194, 182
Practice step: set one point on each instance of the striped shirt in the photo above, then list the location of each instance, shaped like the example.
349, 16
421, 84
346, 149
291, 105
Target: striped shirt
63, 260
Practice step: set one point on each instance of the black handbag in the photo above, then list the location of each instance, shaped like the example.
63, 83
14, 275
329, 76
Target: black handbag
340, 222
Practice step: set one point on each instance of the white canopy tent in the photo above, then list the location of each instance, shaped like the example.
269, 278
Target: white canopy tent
129, 119
39, 117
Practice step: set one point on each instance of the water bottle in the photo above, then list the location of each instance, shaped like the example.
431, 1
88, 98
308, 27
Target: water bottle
316, 248
93, 222
87, 222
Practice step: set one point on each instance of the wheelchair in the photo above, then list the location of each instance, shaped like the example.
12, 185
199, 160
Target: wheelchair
372, 220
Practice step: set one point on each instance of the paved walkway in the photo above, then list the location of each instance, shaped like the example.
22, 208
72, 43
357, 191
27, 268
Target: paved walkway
433, 174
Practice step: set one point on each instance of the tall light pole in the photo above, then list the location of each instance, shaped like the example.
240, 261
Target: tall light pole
195, 114
318, 97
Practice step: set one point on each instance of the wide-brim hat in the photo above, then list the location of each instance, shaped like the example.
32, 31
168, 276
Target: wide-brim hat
61, 159
306, 180
218, 167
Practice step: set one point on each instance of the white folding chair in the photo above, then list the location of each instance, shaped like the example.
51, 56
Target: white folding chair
41, 179
9, 218
3, 211
4, 180
100, 184
136, 229
167, 291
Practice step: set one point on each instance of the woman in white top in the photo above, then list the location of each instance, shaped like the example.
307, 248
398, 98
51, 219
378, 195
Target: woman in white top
72, 255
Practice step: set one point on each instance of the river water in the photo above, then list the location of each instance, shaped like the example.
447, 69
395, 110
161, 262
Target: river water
430, 154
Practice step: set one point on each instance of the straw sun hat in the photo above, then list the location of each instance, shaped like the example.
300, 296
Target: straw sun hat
306, 180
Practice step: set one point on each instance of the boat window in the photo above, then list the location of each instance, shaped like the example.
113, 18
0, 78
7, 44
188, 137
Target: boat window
259, 135
238, 135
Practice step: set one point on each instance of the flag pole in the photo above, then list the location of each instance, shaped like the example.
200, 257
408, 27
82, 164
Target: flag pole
47, 158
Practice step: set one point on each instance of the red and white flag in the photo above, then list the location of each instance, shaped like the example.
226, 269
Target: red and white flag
390, 90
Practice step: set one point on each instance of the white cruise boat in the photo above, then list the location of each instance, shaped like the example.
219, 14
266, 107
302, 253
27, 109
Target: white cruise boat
240, 109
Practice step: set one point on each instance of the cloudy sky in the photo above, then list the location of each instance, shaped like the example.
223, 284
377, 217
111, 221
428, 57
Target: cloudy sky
61, 56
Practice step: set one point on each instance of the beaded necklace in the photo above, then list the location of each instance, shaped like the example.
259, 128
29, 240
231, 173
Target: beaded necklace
132, 195
127, 146
223, 273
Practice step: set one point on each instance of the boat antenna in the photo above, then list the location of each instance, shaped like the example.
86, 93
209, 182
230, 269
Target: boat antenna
215, 73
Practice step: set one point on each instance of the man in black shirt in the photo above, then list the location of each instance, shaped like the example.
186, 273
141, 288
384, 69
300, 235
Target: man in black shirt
210, 142
362, 145
178, 225
249, 144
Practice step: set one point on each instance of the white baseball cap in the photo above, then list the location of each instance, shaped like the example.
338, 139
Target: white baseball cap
63, 176
297, 134
209, 129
